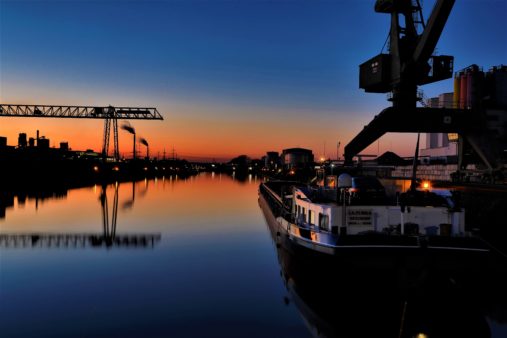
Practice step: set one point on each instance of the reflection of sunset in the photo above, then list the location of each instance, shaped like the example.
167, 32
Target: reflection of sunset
168, 204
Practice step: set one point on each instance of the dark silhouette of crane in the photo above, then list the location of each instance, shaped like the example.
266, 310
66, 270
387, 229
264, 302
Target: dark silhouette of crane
410, 64
109, 114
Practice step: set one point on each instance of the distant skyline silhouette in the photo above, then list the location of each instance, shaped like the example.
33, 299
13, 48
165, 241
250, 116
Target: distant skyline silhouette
229, 77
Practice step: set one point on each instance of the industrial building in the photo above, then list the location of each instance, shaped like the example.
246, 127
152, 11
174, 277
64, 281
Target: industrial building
297, 158
438, 145
271, 160
485, 94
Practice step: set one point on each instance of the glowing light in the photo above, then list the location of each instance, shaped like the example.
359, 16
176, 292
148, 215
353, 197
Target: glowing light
292, 172
96, 168
426, 185
116, 168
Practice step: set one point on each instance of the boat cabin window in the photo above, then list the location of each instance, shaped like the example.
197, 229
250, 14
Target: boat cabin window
323, 221
311, 217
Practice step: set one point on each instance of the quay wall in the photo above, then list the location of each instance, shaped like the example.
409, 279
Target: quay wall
433, 172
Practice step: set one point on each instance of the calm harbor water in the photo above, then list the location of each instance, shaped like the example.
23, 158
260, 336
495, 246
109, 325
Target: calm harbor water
195, 258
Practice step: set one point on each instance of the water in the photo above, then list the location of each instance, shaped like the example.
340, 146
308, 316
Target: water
212, 273
208, 267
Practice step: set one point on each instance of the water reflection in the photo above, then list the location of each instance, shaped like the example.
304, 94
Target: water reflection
213, 273
7, 198
339, 299
108, 239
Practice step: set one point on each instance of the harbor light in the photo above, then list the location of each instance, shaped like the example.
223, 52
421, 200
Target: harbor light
426, 185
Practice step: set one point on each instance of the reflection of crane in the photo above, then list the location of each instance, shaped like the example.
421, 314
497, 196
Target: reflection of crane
108, 239
408, 65
71, 240
109, 229
108, 114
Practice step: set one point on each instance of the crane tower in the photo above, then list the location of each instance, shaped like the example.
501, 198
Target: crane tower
410, 63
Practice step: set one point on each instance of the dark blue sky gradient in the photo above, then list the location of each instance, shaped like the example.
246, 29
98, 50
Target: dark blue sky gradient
287, 56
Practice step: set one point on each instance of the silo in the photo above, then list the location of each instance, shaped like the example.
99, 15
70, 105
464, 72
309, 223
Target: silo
476, 89
500, 86
471, 78
463, 90
455, 97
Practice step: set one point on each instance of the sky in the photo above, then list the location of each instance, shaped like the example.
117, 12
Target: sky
229, 77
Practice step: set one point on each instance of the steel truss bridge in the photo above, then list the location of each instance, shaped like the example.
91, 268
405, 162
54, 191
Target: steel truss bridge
109, 114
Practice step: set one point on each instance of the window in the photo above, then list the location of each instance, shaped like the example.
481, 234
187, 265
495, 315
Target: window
323, 221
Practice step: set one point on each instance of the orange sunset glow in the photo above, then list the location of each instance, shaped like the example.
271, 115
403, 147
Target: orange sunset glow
197, 135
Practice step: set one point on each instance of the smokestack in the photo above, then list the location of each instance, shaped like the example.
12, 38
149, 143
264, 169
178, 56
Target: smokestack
131, 130
144, 142
128, 128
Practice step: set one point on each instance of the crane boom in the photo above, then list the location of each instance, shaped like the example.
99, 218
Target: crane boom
84, 112
429, 38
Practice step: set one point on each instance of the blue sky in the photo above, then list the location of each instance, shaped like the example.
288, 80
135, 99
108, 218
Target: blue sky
287, 61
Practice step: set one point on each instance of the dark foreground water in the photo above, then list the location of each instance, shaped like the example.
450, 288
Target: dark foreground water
195, 258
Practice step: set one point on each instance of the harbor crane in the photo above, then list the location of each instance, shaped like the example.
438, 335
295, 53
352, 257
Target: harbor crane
109, 114
410, 63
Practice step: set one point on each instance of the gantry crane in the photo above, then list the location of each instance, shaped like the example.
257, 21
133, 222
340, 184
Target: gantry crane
109, 114
409, 64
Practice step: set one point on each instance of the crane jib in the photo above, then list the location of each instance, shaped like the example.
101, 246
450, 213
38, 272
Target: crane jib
139, 113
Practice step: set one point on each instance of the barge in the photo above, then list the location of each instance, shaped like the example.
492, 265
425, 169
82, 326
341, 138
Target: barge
330, 221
